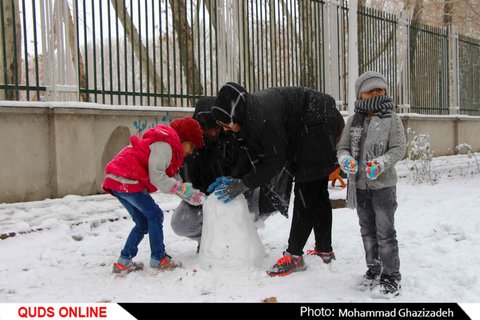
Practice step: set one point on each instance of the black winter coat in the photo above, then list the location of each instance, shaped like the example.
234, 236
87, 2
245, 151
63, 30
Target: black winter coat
293, 131
217, 158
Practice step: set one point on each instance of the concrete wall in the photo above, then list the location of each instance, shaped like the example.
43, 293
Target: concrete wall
49, 150
446, 132
25, 154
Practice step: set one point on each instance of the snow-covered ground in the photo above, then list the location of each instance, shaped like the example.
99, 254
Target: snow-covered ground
62, 250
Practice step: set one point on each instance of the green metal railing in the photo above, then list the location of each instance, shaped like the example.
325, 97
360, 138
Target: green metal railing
469, 75
377, 44
172, 52
429, 69
167, 52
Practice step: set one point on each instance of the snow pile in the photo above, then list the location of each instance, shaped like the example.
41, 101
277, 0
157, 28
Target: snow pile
229, 237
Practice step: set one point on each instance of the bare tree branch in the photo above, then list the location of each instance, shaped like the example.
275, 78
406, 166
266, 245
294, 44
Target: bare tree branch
140, 49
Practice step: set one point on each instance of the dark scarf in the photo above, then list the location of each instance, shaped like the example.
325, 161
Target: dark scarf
381, 107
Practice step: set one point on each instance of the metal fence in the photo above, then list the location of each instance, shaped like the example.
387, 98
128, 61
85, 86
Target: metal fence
429, 70
377, 44
469, 75
172, 52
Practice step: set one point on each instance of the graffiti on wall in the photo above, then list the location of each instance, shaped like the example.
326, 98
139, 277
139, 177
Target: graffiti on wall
143, 125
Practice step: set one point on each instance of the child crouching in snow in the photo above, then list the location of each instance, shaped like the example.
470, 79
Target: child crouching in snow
149, 164
372, 142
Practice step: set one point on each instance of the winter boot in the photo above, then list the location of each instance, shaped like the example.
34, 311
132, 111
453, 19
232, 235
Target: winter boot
369, 280
327, 257
124, 269
388, 288
167, 263
286, 265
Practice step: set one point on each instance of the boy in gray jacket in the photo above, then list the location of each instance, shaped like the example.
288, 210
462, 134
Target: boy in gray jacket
372, 142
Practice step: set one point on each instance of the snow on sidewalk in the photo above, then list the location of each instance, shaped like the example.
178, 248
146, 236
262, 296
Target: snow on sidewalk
69, 257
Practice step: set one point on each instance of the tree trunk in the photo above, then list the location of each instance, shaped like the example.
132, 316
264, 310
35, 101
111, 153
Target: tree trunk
10, 63
447, 13
185, 44
139, 48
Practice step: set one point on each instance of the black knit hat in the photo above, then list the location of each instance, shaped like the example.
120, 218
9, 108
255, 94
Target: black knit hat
230, 104
203, 113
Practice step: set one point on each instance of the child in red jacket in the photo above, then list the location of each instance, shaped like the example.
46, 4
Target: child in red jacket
149, 164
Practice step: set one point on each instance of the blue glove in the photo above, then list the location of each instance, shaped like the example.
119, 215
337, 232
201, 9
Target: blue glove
349, 165
220, 181
227, 193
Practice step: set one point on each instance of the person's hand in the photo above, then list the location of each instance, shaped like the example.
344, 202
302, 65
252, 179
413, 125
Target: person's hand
349, 165
183, 190
220, 181
186, 192
373, 169
197, 198
227, 193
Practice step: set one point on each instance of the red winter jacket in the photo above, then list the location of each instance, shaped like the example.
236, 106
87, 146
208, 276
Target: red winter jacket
132, 162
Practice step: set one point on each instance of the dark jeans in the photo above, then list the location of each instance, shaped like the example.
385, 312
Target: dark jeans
311, 210
148, 218
376, 211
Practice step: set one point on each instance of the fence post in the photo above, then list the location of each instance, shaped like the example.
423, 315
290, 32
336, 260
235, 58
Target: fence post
403, 93
332, 73
453, 76
352, 52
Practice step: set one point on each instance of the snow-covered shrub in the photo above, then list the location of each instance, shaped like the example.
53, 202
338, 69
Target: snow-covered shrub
419, 158
463, 147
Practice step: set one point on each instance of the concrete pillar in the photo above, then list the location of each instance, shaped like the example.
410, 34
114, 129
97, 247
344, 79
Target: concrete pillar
330, 17
453, 79
352, 53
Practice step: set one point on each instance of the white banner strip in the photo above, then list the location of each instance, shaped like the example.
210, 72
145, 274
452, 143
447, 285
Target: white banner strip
471, 309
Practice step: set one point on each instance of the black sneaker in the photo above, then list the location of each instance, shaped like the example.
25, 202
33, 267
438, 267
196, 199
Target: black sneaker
369, 280
286, 265
388, 288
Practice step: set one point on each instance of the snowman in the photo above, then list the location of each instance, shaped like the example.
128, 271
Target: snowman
229, 236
